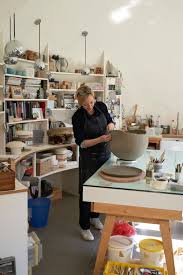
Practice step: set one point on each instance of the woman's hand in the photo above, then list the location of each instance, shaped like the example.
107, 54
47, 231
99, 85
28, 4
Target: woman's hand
110, 126
104, 138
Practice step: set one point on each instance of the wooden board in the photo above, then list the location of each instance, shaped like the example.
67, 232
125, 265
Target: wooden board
122, 171
122, 179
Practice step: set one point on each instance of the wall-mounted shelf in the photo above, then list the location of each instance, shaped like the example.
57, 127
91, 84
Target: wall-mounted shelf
1, 86
26, 77
26, 99
71, 90
63, 109
1, 112
63, 90
28, 61
27, 121
76, 74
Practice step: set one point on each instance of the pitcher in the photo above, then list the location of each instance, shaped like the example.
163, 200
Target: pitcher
63, 64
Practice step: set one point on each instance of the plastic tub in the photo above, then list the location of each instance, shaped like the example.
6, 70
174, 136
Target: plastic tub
151, 252
120, 249
40, 211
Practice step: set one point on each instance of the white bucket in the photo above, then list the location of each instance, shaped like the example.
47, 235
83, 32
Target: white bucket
151, 252
120, 249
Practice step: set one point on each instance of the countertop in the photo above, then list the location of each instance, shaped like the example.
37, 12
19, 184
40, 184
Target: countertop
136, 193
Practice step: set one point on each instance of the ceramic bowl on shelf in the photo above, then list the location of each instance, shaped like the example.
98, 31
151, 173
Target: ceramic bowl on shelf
16, 147
11, 71
127, 145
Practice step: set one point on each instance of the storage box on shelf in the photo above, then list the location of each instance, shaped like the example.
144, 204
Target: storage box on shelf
116, 268
7, 180
44, 165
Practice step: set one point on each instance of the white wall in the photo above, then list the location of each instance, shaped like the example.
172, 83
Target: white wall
147, 48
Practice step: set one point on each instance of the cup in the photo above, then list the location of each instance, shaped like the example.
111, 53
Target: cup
158, 166
177, 176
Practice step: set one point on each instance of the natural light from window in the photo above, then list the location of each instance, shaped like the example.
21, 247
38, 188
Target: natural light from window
123, 13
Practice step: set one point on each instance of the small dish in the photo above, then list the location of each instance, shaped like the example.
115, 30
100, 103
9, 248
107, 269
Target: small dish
160, 184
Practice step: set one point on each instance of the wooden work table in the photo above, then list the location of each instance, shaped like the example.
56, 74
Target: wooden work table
156, 140
136, 201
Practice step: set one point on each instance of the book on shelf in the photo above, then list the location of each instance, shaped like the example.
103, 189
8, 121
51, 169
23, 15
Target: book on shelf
23, 110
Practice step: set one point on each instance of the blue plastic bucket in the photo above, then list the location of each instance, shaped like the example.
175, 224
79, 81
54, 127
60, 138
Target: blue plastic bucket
40, 211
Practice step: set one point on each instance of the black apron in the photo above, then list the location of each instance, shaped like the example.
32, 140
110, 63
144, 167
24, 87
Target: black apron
92, 158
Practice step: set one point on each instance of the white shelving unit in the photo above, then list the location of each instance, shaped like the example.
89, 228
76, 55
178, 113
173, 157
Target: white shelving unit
114, 101
77, 79
26, 77
22, 65
63, 90
2, 114
63, 109
28, 61
26, 99
28, 121
76, 74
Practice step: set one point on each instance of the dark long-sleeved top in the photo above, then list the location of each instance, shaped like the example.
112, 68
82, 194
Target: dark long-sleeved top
78, 120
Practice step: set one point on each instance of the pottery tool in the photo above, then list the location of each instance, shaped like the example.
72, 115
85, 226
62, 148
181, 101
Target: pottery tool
132, 119
178, 168
162, 157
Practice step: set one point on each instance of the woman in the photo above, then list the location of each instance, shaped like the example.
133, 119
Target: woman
91, 123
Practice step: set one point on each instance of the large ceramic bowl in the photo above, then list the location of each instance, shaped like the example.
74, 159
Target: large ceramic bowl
127, 145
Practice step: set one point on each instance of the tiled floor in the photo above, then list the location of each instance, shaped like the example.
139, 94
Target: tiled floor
65, 253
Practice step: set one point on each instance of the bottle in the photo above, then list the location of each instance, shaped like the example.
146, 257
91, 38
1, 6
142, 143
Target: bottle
158, 121
149, 172
173, 127
151, 122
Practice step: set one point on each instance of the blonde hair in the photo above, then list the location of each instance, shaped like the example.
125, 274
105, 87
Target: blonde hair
83, 92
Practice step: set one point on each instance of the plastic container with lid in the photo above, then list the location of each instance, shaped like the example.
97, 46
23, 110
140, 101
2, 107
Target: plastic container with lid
120, 248
151, 252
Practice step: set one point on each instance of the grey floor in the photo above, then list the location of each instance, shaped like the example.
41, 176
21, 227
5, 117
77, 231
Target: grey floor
65, 253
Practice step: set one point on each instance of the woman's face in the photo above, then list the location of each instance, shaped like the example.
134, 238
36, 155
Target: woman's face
88, 104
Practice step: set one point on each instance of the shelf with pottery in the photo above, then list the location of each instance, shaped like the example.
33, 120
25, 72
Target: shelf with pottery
18, 92
26, 77
29, 61
70, 165
76, 74
29, 150
64, 83
63, 109
27, 99
28, 121
32, 151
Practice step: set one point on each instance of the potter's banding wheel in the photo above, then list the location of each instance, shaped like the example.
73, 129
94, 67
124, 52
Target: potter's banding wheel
119, 173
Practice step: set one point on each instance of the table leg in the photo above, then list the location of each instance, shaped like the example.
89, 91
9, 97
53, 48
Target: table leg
167, 244
106, 233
